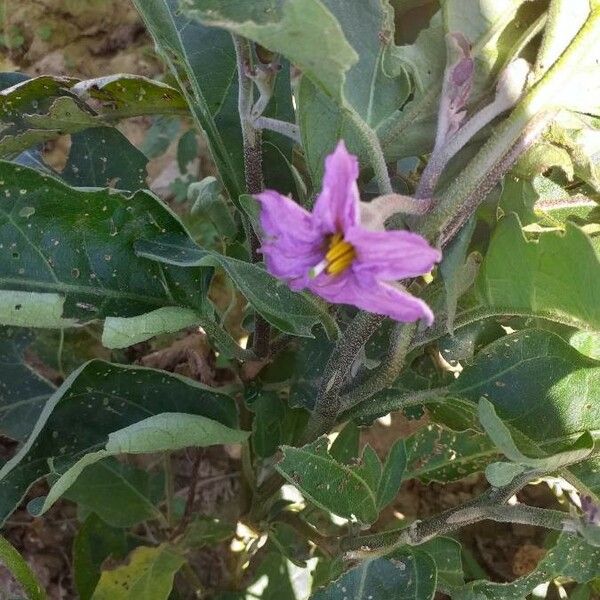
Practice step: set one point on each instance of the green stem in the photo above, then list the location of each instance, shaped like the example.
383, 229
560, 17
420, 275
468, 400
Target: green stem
169, 488
539, 104
392, 366
341, 360
376, 155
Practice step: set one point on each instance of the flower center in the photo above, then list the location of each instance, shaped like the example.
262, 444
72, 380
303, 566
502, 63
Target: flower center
339, 255
338, 258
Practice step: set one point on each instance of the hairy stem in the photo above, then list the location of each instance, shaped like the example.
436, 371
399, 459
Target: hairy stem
461, 198
290, 130
341, 360
253, 172
492, 504
376, 155
392, 366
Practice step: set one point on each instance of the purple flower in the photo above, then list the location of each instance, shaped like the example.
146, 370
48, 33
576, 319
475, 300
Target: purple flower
331, 254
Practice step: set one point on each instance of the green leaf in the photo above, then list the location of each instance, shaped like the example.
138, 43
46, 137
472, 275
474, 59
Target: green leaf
501, 436
587, 343
122, 96
122, 332
203, 60
571, 557
75, 247
288, 311
392, 474
104, 157
303, 31
557, 276
370, 88
502, 473
206, 531
294, 547
95, 401
407, 578
435, 453
458, 270
20, 570
149, 574
446, 553
94, 543
120, 494
539, 385
269, 412
163, 432
344, 490
23, 392
345, 447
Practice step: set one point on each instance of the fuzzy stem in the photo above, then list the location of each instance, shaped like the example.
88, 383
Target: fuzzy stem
252, 140
546, 96
290, 130
376, 156
343, 356
392, 366
490, 505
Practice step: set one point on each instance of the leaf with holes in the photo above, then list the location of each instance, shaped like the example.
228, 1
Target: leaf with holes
74, 248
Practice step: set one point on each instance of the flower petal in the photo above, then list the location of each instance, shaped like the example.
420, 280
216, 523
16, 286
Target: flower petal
380, 298
337, 207
390, 255
291, 245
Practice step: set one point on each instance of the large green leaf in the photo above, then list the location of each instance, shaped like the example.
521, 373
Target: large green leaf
406, 578
148, 574
538, 384
304, 31
571, 557
370, 89
556, 276
23, 392
291, 312
346, 490
69, 253
94, 402
205, 61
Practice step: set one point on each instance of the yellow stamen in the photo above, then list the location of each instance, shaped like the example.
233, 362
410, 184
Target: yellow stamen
340, 255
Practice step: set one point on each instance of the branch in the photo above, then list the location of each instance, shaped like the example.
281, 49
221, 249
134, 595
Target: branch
252, 140
290, 130
328, 404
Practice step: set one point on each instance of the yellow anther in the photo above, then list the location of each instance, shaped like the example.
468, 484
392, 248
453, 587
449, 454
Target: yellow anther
340, 255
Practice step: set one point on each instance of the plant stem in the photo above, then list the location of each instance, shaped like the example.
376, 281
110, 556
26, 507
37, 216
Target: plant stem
290, 130
392, 366
169, 488
492, 504
362, 408
252, 140
460, 199
376, 155
327, 545
341, 360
